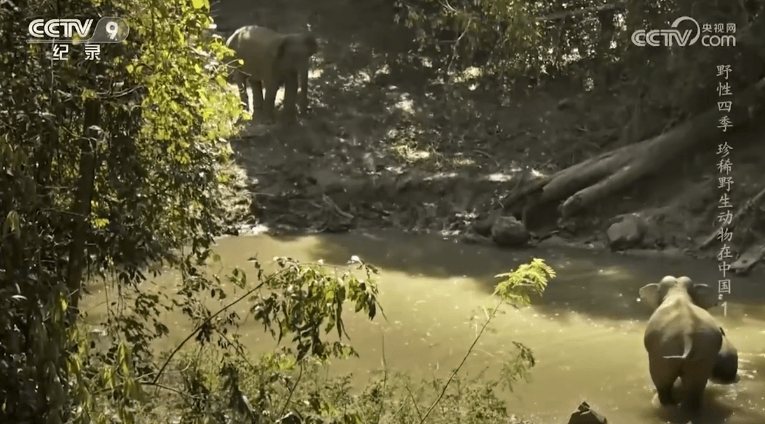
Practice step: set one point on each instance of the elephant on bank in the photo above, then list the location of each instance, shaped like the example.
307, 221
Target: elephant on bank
683, 340
271, 60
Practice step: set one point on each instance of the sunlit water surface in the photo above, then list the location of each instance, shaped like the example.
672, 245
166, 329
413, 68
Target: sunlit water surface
585, 332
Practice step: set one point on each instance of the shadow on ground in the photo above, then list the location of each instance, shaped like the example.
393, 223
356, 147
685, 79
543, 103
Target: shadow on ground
370, 91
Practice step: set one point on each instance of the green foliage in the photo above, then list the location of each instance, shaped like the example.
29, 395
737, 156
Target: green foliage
111, 166
499, 34
266, 387
689, 72
588, 42
305, 301
516, 286
106, 166
299, 299
98, 383
224, 381
302, 297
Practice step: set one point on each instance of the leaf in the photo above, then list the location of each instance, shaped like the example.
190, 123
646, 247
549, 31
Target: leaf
220, 80
108, 378
100, 222
198, 4
11, 224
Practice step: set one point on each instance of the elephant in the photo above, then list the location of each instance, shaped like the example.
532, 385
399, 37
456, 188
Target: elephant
683, 340
270, 60
726, 365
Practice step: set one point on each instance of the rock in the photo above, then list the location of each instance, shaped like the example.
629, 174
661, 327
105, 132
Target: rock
483, 227
508, 231
473, 238
338, 225
231, 230
403, 182
585, 415
595, 245
252, 184
627, 232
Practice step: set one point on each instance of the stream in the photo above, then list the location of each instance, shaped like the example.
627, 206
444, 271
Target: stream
586, 331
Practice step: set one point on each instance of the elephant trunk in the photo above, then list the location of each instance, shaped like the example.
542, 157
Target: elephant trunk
688, 342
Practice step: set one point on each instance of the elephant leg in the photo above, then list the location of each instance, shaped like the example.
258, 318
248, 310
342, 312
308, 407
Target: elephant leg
694, 389
268, 107
240, 80
694, 376
664, 372
290, 96
257, 95
665, 395
303, 98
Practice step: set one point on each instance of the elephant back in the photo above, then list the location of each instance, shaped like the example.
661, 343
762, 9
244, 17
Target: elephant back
252, 41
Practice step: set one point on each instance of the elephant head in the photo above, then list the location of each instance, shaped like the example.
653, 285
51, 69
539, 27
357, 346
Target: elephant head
681, 338
296, 49
292, 56
700, 294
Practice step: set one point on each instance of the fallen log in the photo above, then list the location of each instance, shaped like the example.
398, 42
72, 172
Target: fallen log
746, 208
598, 177
748, 259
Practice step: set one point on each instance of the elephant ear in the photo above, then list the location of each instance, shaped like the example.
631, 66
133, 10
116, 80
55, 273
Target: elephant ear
650, 295
305, 44
703, 296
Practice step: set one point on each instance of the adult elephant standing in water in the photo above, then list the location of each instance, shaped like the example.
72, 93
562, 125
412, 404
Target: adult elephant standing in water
684, 340
271, 60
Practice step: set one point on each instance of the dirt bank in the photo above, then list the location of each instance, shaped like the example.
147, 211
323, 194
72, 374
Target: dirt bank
387, 145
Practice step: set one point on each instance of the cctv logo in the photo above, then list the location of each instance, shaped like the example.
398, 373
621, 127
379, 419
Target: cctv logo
41, 29
670, 37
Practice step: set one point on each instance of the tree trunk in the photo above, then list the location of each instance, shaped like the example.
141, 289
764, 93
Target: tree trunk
601, 176
81, 206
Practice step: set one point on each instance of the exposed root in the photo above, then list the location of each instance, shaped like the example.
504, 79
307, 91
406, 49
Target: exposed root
588, 182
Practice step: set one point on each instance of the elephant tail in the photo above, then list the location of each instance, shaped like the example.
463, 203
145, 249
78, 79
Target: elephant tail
688, 342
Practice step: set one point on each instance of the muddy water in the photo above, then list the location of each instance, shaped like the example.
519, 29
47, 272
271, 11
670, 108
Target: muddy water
585, 332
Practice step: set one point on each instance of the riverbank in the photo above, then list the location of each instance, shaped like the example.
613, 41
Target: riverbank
387, 146
291, 187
